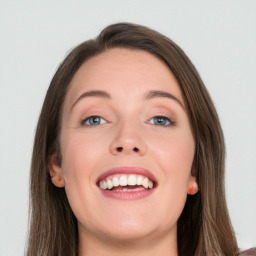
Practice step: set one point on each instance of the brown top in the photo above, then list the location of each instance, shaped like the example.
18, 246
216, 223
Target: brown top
251, 252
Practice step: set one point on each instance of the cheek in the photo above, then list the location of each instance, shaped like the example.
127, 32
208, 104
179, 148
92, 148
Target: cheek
80, 152
175, 154
175, 158
80, 155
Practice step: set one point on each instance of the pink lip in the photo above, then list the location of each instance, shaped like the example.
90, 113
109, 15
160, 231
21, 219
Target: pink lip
127, 195
128, 170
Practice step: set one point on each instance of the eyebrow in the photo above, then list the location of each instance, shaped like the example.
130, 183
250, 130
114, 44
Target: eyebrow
162, 94
95, 93
150, 95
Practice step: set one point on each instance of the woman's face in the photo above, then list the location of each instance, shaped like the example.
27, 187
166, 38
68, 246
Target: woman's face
124, 121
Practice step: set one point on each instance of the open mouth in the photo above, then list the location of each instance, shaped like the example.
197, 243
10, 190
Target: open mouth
126, 183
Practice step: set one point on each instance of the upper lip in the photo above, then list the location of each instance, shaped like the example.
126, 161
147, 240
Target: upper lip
128, 170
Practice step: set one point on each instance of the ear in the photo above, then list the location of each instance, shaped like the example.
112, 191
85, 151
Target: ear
192, 183
55, 171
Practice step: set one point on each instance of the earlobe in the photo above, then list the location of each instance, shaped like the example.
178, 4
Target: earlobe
55, 171
192, 186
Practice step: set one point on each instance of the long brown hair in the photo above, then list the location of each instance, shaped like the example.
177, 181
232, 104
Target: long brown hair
204, 226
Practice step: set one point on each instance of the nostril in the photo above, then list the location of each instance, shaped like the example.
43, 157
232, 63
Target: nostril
119, 149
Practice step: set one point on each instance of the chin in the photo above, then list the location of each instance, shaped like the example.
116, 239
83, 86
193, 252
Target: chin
135, 228
129, 233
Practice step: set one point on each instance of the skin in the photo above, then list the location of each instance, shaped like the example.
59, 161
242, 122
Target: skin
108, 226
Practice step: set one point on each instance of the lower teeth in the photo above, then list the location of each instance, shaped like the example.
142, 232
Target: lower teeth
125, 189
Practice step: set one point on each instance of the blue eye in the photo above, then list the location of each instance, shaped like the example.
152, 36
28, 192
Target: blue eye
161, 120
93, 120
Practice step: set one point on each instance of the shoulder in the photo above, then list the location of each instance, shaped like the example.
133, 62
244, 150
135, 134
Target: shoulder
250, 252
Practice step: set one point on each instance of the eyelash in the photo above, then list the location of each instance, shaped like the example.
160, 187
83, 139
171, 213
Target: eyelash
170, 121
166, 118
84, 121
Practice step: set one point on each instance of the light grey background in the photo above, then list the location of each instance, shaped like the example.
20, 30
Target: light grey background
219, 37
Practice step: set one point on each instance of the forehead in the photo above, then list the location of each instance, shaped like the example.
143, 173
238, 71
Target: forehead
122, 71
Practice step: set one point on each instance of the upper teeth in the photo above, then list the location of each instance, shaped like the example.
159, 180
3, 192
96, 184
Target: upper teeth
124, 180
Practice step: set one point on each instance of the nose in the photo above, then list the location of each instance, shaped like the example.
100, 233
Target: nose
128, 140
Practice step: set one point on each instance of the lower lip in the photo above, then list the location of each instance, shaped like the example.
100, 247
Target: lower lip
127, 195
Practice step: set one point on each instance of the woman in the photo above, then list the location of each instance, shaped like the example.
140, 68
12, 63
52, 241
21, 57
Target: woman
129, 154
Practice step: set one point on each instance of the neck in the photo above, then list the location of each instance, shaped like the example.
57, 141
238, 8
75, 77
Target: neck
164, 245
